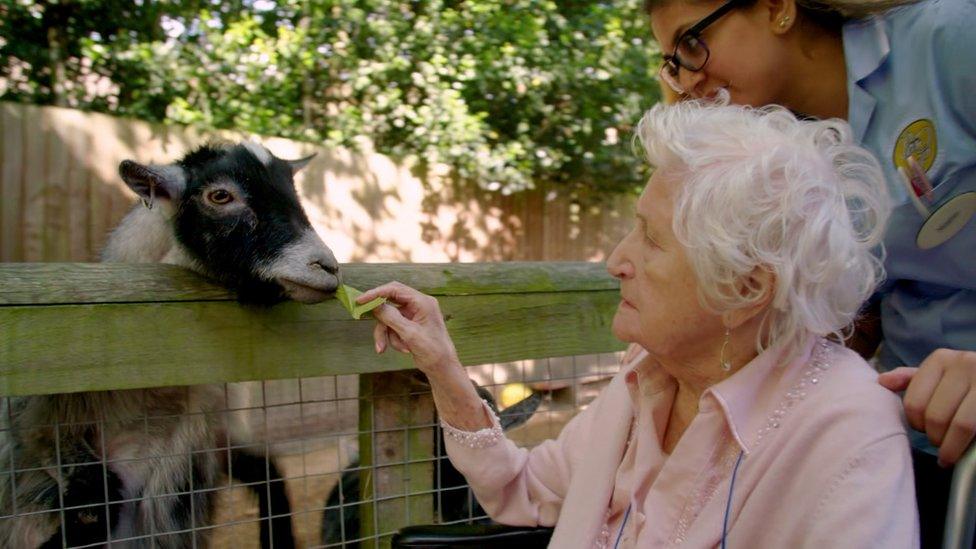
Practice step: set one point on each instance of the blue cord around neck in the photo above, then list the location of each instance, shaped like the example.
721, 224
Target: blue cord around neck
725, 521
620, 533
728, 504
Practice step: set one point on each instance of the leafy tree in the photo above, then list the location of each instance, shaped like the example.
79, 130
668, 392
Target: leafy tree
509, 93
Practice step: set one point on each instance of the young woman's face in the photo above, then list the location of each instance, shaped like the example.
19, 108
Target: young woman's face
746, 53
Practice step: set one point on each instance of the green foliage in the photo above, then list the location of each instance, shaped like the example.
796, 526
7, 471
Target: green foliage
509, 93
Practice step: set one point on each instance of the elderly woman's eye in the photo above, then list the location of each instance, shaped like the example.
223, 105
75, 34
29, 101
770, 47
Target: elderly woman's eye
220, 196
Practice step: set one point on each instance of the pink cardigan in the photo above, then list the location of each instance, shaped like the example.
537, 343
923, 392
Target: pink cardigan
826, 462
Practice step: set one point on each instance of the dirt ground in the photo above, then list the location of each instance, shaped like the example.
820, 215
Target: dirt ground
308, 482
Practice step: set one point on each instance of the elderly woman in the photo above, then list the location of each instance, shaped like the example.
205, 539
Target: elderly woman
743, 421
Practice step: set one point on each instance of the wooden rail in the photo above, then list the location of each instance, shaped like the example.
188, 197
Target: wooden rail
67, 327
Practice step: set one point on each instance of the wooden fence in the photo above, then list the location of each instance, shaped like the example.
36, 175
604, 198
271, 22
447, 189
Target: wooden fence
60, 194
80, 327
67, 327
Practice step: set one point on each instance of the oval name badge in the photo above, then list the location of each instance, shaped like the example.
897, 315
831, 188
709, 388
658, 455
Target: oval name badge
946, 221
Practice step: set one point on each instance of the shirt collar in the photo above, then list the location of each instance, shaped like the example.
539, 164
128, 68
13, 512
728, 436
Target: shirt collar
865, 47
745, 399
748, 397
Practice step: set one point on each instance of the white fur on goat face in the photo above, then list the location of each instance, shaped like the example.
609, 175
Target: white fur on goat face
300, 267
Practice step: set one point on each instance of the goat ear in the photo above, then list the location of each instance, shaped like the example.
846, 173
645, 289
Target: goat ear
165, 182
297, 165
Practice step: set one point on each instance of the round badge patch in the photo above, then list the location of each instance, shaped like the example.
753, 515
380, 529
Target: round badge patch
918, 140
946, 221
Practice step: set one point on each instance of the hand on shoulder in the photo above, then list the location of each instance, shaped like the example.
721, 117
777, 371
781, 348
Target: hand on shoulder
940, 399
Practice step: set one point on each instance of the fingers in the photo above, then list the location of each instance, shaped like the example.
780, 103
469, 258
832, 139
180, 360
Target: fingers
943, 406
391, 317
396, 292
898, 379
411, 323
920, 391
397, 342
381, 337
960, 433
384, 336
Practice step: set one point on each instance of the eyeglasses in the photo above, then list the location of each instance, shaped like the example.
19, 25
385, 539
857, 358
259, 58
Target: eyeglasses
690, 52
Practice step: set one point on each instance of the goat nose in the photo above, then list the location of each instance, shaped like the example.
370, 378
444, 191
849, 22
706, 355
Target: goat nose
330, 267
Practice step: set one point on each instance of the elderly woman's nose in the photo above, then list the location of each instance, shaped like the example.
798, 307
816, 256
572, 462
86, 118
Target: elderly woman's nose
618, 266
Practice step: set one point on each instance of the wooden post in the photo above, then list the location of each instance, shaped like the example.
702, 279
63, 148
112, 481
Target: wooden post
396, 433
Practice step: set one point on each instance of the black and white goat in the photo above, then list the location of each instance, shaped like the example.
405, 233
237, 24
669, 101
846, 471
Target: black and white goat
144, 465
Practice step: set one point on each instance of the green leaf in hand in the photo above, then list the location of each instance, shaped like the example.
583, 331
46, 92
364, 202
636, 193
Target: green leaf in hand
347, 296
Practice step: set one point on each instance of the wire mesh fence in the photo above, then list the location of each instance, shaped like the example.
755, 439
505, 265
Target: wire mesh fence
310, 462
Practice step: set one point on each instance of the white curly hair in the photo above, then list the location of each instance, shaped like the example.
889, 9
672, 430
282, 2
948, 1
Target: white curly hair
761, 189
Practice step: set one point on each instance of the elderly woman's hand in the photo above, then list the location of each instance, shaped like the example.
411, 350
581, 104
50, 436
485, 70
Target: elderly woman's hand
412, 324
940, 399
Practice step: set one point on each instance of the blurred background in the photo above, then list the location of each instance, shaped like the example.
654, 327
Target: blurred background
509, 94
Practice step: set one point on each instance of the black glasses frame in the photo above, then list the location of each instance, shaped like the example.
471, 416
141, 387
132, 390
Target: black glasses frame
673, 61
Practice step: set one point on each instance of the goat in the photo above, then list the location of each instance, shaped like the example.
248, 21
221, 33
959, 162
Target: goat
142, 466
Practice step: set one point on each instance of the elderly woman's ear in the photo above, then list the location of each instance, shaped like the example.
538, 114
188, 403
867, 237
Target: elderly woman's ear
757, 290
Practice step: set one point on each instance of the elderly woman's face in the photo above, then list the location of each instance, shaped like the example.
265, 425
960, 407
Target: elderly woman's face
659, 306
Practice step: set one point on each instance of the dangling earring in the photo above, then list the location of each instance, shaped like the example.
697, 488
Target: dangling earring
784, 21
725, 362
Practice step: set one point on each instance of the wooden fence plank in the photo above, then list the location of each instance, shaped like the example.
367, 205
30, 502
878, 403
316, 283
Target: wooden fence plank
33, 187
67, 348
86, 338
79, 180
90, 283
11, 211
55, 194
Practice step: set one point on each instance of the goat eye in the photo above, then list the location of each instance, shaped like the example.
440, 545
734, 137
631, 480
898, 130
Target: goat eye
220, 196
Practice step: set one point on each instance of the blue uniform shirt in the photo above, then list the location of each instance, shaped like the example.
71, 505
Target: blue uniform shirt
912, 88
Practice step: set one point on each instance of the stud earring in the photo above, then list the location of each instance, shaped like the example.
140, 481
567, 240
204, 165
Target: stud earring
784, 21
725, 362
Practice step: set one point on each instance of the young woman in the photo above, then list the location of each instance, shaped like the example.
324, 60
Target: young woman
904, 75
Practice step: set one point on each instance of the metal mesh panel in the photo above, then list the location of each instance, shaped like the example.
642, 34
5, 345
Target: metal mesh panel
302, 435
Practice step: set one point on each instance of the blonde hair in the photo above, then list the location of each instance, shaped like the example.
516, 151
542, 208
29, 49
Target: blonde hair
760, 189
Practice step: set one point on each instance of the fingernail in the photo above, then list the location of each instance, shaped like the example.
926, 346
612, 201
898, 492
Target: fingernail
379, 348
942, 463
